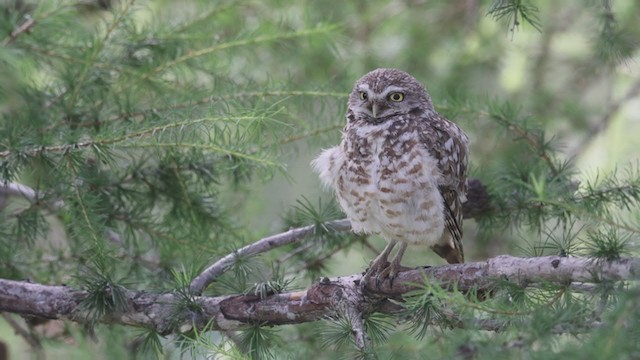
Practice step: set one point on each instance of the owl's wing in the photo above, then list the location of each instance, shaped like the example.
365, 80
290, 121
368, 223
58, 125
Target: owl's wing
448, 144
452, 249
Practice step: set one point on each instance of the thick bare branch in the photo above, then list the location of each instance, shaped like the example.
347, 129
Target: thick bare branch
522, 271
157, 311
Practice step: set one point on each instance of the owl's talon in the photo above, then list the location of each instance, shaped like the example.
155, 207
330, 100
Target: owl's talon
390, 272
382, 273
376, 267
382, 269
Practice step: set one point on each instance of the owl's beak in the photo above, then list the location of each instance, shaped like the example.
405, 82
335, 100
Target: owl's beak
375, 109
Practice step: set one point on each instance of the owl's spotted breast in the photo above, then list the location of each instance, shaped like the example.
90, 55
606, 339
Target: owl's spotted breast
388, 184
400, 170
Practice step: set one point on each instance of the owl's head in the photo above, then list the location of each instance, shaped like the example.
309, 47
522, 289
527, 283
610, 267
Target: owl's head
384, 93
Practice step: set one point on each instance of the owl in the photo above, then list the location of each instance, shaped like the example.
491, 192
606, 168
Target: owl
400, 170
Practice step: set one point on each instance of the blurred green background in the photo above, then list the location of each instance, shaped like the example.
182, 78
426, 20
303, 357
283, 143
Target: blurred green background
576, 78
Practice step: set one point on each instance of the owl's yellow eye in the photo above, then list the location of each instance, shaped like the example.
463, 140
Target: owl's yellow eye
363, 95
396, 96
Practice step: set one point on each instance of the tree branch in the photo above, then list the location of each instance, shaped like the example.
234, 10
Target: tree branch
157, 311
11, 189
201, 281
32, 340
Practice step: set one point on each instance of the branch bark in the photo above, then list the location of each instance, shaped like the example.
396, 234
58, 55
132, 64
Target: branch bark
157, 311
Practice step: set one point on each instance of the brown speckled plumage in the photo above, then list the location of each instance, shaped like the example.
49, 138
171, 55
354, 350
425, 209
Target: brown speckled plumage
400, 170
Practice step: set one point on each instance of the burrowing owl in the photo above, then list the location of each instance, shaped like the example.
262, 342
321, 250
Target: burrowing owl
400, 170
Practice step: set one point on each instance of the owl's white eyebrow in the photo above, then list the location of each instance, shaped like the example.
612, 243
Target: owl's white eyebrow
391, 88
364, 87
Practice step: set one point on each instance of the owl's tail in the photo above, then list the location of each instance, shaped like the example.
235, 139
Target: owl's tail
452, 254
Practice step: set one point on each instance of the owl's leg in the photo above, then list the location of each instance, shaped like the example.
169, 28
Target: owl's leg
394, 267
380, 262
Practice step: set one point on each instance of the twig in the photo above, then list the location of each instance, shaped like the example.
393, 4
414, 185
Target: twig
19, 190
97, 48
137, 115
533, 142
196, 53
294, 252
369, 246
498, 325
294, 235
26, 335
137, 135
362, 339
309, 134
28, 23
321, 259
237, 341
604, 122
582, 287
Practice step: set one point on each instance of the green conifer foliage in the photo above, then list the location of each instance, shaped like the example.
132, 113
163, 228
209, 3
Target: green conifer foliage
144, 142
